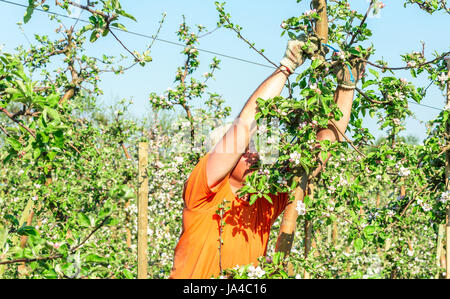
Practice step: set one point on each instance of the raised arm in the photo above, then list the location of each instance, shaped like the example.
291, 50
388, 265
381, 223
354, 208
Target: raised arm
233, 145
343, 97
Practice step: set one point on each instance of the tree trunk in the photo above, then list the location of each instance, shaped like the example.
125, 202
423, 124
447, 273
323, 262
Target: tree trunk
288, 224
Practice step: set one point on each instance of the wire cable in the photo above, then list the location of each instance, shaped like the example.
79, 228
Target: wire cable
78, 19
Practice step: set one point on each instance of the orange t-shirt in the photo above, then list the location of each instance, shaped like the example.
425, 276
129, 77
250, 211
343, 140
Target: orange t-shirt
245, 234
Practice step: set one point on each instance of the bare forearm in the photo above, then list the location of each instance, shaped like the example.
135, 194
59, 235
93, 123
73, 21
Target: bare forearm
344, 100
233, 145
271, 87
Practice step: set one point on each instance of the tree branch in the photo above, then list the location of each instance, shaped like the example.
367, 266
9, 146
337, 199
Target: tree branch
55, 256
11, 116
362, 23
370, 99
406, 67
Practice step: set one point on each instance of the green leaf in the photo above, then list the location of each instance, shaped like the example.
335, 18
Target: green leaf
36, 153
93, 258
12, 219
50, 274
148, 58
29, 12
15, 144
292, 35
128, 193
51, 155
84, 220
369, 230
316, 63
375, 73
93, 20
253, 198
64, 250
284, 275
26, 212
93, 37
128, 274
358, 244
268, 198
120, 26
115, 4
27, 231
127, 15
105, 212
53, 114
323, 155
87, 28
13, 91
112, 221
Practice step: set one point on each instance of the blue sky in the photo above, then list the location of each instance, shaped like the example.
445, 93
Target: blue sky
396, 30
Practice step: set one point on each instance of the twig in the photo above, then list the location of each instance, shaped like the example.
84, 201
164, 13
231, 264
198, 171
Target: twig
56, 256
120, 42
25, 260
90, 235
346, 138
446, 148
11, 116
4, 130
258, 51
406, 67
246, 41
87, 8
408, 205
209, 32
370, 99
362, 23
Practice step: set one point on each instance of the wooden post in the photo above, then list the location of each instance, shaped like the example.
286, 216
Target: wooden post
378, 199
289, 222
143, 211
447, 175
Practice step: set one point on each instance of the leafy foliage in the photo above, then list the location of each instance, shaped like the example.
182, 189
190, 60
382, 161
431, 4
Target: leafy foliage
68, 188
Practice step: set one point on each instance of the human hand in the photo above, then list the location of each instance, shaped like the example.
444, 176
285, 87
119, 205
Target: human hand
348, 75
298, 50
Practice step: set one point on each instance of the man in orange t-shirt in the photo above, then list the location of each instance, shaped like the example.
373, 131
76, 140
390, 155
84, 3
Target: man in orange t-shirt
221, 173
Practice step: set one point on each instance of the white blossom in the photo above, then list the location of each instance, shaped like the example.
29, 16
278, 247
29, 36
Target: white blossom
443, 77
301, 208
255, 272
445, 197
295, 158
403, 171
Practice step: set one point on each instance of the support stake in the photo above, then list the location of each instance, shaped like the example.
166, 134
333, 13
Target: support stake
143, 211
